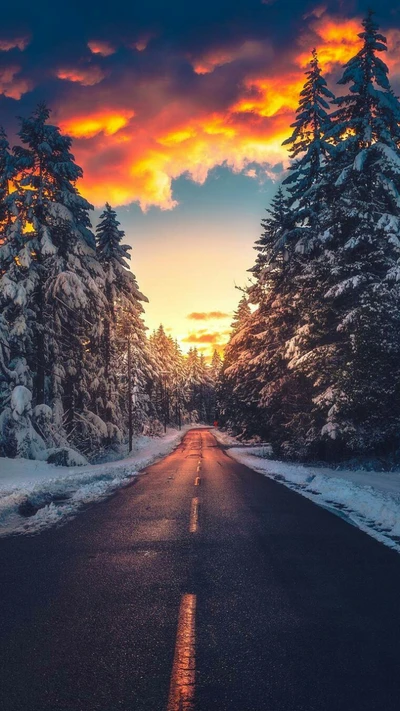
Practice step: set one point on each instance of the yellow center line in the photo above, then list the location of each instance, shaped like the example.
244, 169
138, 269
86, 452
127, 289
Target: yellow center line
194, 516
197, 481
183, 677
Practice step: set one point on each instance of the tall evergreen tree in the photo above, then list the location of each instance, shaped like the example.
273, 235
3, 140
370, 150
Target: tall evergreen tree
122, 318
356, 270
309, 144
275, 230
53, 283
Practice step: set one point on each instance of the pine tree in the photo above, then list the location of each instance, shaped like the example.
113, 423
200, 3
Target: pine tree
215, 366
349, 292
170, 393
124, 304
275, 230
54, 299
238, 390
6, 259
309, 143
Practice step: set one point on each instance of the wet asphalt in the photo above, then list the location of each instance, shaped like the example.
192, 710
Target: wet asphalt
296, 610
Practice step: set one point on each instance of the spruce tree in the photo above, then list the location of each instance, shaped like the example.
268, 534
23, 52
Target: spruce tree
124, 304
53, 285
349, 320
309, 143
275, 229
238, 388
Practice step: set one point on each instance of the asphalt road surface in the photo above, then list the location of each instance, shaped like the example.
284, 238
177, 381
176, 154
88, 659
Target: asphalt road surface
202, 586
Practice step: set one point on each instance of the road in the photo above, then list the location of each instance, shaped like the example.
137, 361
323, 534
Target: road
202, 586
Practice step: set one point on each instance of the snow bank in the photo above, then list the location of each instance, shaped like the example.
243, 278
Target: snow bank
369, 500
35, 495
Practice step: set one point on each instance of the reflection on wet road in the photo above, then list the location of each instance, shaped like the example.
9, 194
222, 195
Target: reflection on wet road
203, 587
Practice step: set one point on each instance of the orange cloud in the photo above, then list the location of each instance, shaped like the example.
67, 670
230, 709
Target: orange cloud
11, 84
138, 161
17, 43
207, 315
88, 76
102, 47
177, 133
212, 338
336, 43
268, 97
89, 125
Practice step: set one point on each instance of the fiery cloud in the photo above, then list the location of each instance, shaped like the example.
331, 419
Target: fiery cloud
101, 47
89, 125
139, 126
214, 338
207, 315
87, 76
335, 40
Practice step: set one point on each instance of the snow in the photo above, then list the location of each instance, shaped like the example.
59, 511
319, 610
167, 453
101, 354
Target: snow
49, 495
21, 399
367, 499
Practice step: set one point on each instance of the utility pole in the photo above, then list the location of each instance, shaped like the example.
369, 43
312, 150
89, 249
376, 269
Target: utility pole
165, 402
130, 414
164, 374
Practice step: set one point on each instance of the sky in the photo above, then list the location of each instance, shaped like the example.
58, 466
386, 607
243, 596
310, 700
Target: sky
178, 111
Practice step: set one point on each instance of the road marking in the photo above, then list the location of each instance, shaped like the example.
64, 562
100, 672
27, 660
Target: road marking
194, 516
183, 677
198, 467
197, 481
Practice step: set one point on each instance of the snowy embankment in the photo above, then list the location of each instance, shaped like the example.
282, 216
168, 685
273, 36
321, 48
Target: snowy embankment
35, 495
368, 500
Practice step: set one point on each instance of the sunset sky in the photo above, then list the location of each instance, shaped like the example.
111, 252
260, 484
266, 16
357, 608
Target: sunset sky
178, 111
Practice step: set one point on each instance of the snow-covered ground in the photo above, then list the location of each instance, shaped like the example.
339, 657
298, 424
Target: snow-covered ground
35, 495
369, 500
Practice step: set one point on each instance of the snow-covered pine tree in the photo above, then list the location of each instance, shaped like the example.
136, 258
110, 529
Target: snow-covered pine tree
6, 259
238, 390
54, 285
179, 389
137, 372
196, 380
215, 369
124, 304
348, 342
170, 388
275, 229
310, 148
215, 366
17, 434
124, 330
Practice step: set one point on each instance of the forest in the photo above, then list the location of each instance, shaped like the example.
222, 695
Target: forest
77, 369
313, 364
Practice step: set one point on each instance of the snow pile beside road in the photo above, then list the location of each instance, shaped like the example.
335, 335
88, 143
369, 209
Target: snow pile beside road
35, 495
369, 500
